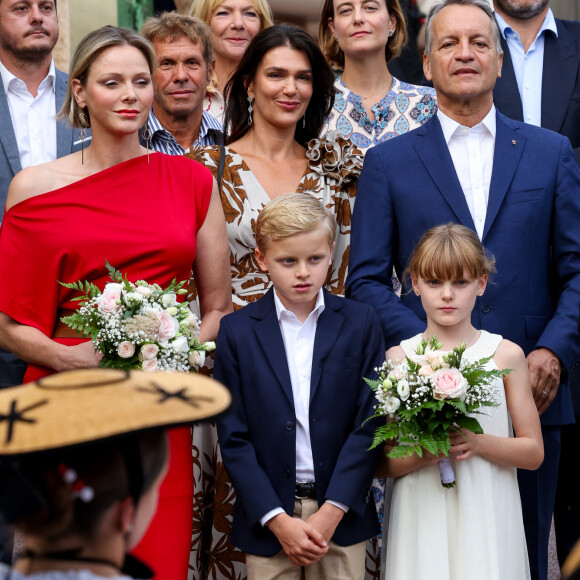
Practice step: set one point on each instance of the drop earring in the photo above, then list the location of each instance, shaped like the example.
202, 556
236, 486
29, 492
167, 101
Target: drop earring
390, 34
304, 121
250, 109
147, 137
84, 121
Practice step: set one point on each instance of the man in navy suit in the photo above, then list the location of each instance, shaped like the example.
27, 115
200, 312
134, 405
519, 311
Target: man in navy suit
518, 187
295, 445
32, 91
540, 81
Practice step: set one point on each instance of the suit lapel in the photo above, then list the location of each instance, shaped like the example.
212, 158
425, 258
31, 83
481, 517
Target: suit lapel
506, 95
64, 132
434, 154
268, 334
561, 61
509, 146
327, 332
7, 137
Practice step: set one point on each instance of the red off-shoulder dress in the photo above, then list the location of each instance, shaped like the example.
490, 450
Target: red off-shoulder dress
143, 218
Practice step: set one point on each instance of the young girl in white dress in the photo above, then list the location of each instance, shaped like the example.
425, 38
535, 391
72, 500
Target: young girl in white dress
472, 531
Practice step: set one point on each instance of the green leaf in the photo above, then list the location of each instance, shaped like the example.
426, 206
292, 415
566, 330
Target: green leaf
114, 274
470, 423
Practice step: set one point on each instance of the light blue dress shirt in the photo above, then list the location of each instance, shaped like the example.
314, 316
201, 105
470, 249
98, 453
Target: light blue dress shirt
528, 66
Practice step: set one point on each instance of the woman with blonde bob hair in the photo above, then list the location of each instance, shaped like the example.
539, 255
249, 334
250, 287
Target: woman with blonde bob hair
152, 216
233, 24
360, 38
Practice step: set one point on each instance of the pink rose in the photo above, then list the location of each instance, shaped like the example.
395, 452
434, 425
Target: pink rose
449, 384
126, 349
148, 352
149, 365
168, 326
425, 371
143, 290
108, 299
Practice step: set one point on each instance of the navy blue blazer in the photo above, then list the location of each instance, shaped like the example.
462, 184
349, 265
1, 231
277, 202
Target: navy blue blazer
532, 227
258, 437
560, 83
9, 155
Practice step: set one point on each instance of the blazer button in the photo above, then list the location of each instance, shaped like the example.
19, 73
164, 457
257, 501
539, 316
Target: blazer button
287, 473
289, 426
485, 308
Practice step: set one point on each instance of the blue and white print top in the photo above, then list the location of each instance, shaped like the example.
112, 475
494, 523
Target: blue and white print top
404, 108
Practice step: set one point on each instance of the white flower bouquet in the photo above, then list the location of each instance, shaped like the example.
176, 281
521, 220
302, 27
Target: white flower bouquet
138, 325
428, 395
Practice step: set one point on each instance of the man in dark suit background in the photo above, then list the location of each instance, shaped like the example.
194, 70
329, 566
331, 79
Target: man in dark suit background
540, 84
31, 93
540, 81
518, 186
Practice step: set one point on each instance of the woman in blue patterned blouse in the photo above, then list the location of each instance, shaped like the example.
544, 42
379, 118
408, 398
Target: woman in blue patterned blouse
360, 37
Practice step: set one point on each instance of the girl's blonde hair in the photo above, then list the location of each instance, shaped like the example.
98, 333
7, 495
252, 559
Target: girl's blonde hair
292, 214
450, 252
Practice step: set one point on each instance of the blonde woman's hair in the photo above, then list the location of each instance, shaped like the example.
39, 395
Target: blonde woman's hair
292, 214
450, 252
204, 9
169, 26
329, 44
87, 51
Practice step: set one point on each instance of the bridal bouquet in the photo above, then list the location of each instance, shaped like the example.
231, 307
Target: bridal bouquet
426, 396
138, 325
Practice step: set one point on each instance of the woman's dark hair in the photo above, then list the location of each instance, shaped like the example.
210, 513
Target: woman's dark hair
103, 467
236, 92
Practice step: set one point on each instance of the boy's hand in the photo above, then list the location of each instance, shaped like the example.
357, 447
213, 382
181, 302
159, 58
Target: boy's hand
326, 519
302, 543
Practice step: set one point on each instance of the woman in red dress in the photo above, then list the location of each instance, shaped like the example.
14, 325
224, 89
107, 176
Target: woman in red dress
150, 215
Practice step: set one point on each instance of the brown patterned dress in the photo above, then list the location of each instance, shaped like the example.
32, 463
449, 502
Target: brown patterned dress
334, 165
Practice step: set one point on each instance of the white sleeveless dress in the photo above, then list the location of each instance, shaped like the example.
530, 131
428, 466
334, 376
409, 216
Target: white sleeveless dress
473, 531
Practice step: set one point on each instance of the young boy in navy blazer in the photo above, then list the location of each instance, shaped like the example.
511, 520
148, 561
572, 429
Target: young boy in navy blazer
294, 445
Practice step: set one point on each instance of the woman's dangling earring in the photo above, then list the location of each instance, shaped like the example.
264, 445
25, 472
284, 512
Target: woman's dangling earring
84, 121
304, 121
390, 34
250, 109
147, 137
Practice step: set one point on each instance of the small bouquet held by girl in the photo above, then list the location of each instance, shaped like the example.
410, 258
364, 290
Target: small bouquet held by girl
138, 325
427, 396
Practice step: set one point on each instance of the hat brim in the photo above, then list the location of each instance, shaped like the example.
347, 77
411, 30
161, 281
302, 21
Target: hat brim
75, 407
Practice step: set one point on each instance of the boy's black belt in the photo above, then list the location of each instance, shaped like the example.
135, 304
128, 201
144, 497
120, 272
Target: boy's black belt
305, 490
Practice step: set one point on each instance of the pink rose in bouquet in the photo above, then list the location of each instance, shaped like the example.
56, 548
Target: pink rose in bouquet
449, 384
108, 299
168, 326
126, 349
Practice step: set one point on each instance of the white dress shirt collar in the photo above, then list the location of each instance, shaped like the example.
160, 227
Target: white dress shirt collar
449, 126
282, 310
11, 82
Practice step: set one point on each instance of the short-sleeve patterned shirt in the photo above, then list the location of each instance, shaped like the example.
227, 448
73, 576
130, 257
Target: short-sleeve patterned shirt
404, 108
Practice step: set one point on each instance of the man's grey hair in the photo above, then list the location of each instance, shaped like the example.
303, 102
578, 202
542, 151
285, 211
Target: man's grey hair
482, 4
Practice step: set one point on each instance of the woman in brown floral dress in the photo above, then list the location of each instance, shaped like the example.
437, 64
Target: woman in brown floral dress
278, 100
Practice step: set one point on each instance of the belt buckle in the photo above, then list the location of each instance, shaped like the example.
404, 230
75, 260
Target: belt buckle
307, 485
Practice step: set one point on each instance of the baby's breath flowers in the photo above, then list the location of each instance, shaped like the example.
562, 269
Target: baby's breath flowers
139, 325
